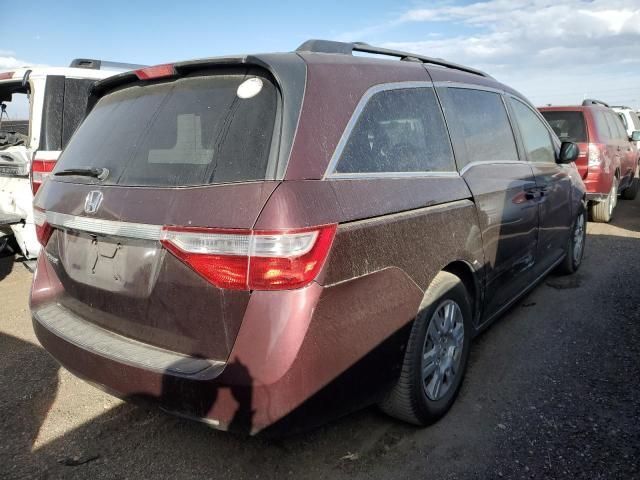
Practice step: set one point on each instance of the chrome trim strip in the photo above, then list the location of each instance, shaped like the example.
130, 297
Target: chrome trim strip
470, 165
372, 175
100, 226
358, 110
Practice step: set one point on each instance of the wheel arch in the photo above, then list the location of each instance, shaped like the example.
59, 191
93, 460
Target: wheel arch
469, 277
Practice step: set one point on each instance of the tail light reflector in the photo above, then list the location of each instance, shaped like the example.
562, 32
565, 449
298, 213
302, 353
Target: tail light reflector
43, 229
40, 170
252, 259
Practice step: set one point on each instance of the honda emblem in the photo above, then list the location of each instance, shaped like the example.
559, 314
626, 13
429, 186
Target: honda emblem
93, 201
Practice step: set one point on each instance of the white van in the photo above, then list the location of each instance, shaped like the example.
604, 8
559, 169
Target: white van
40, 108
630, 119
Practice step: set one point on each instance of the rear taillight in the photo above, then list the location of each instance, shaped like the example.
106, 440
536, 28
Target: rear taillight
43, 229
6, 75
40, 170
594, 154
252, 259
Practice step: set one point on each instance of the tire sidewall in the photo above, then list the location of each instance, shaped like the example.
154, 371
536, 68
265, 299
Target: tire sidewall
576, 264
426, 409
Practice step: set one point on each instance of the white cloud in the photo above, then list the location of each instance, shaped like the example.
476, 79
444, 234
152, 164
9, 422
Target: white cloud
592, 45
8, 60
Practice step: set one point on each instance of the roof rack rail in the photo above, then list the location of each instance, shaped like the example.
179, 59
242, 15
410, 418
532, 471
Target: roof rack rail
93, 64
621, 107
347, 48
592, 101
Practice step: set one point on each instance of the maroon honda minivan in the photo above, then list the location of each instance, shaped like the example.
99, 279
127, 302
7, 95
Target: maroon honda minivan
266, 242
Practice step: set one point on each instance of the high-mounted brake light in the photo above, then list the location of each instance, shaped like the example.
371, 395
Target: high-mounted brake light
252, 259
157, 71
40, 170
6, 75
43, 229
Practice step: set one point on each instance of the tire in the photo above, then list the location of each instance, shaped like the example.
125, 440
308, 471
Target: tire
575, 246
603, 211
631, 191
415, 399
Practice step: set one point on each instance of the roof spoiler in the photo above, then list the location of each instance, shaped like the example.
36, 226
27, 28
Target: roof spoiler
345, 48
93, 64
591, 101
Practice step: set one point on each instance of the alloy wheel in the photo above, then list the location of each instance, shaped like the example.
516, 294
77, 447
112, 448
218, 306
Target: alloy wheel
442, 351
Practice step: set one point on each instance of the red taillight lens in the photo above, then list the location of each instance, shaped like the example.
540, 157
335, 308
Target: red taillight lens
157, 71
252, 259
40, 170
43, 229
6, 75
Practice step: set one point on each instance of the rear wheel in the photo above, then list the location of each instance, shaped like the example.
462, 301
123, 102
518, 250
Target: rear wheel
603, 211
575, 248
631, 191
436, 355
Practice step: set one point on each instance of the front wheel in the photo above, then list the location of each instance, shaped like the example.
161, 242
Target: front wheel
631, 191
436, 356
575, 247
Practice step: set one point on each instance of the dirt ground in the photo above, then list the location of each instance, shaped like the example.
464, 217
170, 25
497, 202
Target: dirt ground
552, 391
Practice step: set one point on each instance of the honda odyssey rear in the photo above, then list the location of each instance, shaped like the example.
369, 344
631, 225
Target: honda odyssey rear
266, 242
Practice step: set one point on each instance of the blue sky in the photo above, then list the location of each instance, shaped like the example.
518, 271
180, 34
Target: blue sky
552, 52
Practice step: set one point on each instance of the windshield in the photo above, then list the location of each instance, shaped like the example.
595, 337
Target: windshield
196, 130
14, 115
568, 126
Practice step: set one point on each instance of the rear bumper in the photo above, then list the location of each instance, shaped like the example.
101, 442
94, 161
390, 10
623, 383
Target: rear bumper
10, 219
598, 185
301, 357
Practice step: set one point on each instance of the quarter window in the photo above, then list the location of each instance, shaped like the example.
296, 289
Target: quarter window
479, 125
535, 135
399, 130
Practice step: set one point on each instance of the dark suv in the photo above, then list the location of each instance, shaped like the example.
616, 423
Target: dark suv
265, 242
608, 160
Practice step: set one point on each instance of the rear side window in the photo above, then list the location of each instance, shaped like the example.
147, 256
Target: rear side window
479, 125
602, 125
635, 120
398, 131
192, 131
615, 126
535, 136
568, 126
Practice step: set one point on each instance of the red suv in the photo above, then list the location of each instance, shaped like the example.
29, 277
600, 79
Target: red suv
608, 160
267, 241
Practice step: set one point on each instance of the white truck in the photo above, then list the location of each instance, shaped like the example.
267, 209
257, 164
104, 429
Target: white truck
40, 108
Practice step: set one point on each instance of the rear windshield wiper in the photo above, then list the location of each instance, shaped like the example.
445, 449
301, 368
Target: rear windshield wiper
96, 172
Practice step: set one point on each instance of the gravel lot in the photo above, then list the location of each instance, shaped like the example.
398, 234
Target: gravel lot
552, 391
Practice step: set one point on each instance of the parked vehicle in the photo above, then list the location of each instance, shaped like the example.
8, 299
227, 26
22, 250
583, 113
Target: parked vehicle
608, 160
264, 242
41, 108
631, 122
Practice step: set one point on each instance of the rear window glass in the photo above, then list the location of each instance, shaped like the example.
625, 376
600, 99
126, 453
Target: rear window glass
14, 115
568, 126
191, 131
479, 125
602, 126
399, 131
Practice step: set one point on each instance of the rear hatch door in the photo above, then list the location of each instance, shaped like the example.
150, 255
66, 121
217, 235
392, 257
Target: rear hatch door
190, 151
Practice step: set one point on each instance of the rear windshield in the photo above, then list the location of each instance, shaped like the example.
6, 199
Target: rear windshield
196, 130
568, 126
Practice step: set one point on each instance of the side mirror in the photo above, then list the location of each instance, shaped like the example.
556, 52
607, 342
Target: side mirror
569, 151
635, 136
